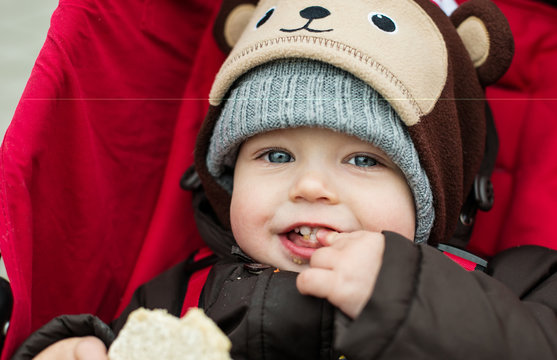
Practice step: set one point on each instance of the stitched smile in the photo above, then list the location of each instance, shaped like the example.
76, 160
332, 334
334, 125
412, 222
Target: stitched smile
306, 27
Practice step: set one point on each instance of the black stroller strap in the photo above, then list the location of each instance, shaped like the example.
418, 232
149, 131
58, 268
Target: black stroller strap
481, 196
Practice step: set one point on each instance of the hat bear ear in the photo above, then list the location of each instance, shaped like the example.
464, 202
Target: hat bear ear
231, 21
486, 34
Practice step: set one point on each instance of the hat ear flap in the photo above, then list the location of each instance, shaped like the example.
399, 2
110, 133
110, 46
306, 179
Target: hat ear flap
231, 21
486, 34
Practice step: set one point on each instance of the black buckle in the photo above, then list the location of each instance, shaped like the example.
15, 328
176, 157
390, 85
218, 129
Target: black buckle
190, 181
483, 192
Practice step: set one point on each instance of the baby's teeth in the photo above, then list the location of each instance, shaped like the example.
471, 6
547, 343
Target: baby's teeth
305, 230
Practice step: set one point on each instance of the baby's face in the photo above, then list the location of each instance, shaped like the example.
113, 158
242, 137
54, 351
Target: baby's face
289, 183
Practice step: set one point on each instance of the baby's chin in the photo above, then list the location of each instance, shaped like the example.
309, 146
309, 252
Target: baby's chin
292, 263
293, 267
279, 257
286, 263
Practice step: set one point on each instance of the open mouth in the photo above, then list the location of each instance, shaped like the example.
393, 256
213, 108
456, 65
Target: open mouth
301, 242
304, 236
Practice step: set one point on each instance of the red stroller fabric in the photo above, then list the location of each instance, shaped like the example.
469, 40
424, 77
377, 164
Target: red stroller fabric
90, 165
524, 104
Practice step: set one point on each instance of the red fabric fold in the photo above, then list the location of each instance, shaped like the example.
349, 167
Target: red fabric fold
524, 105
90, 165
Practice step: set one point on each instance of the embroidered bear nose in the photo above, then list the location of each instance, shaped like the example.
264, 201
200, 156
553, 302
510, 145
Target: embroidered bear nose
314, 12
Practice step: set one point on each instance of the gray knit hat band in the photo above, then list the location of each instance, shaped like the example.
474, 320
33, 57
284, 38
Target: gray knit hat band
297, 93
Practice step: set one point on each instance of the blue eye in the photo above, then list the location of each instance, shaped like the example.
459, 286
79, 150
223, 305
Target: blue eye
278, 156
362, 161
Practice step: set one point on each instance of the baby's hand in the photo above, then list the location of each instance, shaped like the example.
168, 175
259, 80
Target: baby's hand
345, 270
77, 348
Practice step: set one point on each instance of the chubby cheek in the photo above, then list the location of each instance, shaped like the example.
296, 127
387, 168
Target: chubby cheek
247, 220
394, 213
240, 217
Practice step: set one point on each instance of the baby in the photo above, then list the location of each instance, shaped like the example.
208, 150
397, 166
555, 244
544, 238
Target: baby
309, 185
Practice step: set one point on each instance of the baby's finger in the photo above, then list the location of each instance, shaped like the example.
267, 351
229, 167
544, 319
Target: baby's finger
324, 258
90, 348
326, 237
316, 282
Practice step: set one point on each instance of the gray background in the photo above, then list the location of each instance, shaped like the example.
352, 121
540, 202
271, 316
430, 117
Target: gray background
23, 28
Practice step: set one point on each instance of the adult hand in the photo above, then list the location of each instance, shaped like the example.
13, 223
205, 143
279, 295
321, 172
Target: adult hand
77, 348
345, 270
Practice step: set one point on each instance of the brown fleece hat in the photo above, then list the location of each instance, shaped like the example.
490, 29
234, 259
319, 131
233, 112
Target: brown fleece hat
431, 68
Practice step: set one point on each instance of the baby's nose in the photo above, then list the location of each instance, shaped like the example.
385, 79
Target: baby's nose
314, 12
313, 186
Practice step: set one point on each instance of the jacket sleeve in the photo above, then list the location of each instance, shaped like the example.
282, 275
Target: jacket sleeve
67, 326
166, 292
63, 327
424, 306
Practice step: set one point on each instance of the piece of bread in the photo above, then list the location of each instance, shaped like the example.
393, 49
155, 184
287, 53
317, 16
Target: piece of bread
155, 334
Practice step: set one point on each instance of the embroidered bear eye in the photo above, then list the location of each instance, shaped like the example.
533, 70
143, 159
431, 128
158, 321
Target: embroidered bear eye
383, 22
265, 17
